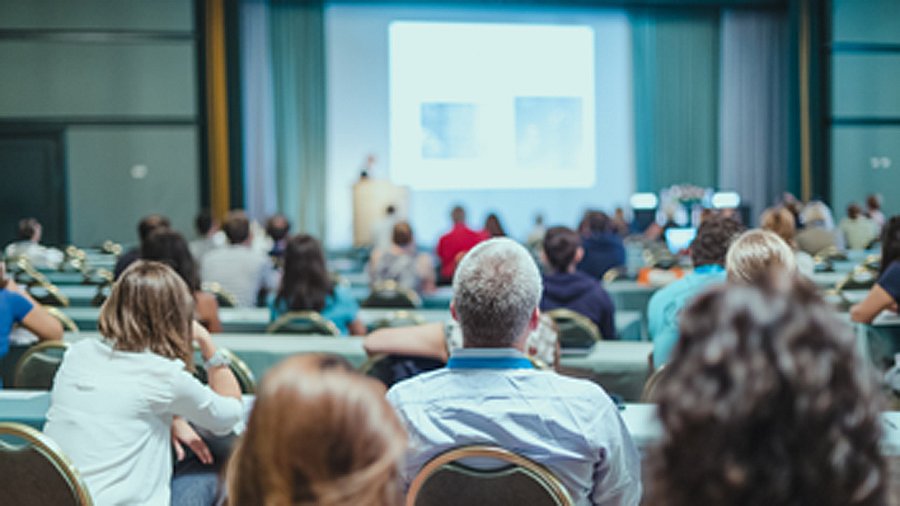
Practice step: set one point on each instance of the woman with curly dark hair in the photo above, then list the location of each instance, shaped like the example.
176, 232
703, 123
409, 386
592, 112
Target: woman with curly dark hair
766, 403
885, 294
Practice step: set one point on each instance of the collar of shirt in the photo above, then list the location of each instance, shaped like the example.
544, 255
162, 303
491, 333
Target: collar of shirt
709, 269
488, 358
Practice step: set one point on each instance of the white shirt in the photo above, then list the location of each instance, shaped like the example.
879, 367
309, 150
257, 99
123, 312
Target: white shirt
111, 413
240, 271
569, 425
40, 257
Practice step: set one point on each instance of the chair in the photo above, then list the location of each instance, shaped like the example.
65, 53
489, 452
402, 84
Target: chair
242, 373
36, 471
303, 322
651, 386
112, 248
399, 318
37, 367
861, 278
223, 297
575, 329
48, 294
522, 482
102, 294
390, 369
67, 322
613, 274
389, 294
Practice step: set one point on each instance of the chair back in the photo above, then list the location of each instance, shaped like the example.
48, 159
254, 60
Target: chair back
223, 296
303, 322
33, 470
389, 294
861, 278
37, 367
651, 386
103, 291
399, 318
242, 373
67, 322
575, 329
445, 481
390, 369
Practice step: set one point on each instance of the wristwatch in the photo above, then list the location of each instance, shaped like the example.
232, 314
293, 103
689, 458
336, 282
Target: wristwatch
217, 359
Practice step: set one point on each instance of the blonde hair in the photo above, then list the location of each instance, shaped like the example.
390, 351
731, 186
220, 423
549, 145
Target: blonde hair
150, 308
781, 221
758, 255
319, 434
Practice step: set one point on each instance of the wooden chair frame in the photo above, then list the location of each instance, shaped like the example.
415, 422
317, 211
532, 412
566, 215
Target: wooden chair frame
224, 297
652, 384
578, 318
391, 286
34, 350
67, 322
317, 319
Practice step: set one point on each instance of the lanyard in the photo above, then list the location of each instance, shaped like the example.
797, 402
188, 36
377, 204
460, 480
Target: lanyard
489, 363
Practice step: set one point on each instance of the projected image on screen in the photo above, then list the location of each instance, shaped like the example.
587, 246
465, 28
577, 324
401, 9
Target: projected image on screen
482, 105
548, 133
448, 131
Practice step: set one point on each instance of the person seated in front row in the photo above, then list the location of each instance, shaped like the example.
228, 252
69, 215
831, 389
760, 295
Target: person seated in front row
319, 433
237, 268
759, 257
306, 285
708, 255
28, 246
885, 294
401, 263
490, 393
603, 247
766, 402
118, 402
566, 287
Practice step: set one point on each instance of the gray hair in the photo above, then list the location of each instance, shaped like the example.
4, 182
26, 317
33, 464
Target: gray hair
496, 288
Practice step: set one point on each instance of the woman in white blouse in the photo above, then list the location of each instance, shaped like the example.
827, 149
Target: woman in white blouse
114, 400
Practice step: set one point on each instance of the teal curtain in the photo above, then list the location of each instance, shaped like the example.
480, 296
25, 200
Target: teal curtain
297, 44
676, 86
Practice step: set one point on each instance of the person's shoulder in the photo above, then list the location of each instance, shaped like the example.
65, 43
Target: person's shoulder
419, 388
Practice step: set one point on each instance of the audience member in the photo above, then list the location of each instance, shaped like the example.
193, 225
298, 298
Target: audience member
708, 255
489, 393
207, 228
17, 307
535, 239
760, 257
320, 434
454, 244
766, 402
566, 287
118, 401
401, 262
277, 229
885, 294
307, 285
620, 224
147, 225
170, 248
859, 231
493, 227
818, 229
781, 221
873, 210
28, 246
237, 268
603, 247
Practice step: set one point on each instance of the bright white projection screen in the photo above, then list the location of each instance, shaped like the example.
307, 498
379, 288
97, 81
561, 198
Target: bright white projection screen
488, 105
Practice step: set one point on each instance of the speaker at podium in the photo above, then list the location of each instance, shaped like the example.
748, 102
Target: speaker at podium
372, 199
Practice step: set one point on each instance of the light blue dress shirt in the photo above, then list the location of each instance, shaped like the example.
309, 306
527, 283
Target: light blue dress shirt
493, 396
666, 304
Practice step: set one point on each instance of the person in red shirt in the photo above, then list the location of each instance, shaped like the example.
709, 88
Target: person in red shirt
454, 244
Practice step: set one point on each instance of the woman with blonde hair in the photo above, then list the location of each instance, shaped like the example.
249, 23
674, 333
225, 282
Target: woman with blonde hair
782, 221
759, 257
115, 400
319, 434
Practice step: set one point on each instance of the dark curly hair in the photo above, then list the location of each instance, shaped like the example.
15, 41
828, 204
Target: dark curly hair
766, 403
713, 238
890, 242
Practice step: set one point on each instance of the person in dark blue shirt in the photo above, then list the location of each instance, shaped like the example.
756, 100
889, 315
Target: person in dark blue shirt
603, 247
566, 287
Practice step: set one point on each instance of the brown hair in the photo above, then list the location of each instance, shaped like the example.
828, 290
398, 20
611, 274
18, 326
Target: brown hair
781, 221
766, 402
560, 247
402, 234
319, 434
236, 226
150, 308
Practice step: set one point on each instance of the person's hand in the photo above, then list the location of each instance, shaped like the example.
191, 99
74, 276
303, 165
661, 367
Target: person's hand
199, 333
184, 434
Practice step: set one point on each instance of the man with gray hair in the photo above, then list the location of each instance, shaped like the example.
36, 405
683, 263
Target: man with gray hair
490, 393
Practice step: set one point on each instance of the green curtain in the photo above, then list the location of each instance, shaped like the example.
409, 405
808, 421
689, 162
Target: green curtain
297, 41
676, 85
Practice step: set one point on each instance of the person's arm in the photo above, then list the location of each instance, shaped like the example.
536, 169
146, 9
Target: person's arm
208, 311
419, 341
425, 271
220, 378
876, 301
356, 328
34, 317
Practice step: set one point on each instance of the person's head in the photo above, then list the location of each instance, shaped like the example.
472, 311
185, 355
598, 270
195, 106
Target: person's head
203, 223
149, 224
402, 234
305, 283
779, 220
854, 211
766, 401
817, 214
29, 229
390, 210
562, 248
714, 236
493, 227
890, 242
169, 247
149, 308
496, 290
319, 433
237, 227
277, 227
873, 202
458, 215
594, 222
759, 257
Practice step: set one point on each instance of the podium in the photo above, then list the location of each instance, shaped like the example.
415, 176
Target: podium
371, 197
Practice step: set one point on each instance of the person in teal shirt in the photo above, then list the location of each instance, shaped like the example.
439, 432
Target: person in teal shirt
708, 255
307, 285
